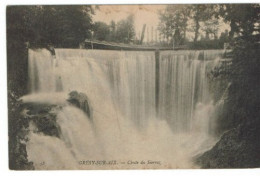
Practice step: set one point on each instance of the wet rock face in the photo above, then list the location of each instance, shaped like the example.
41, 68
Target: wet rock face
44, 118
81, 101
237, 148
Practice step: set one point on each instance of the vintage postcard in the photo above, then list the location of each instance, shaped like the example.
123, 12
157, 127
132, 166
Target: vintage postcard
171, 86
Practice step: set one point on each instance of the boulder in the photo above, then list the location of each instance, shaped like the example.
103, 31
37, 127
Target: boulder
80, 100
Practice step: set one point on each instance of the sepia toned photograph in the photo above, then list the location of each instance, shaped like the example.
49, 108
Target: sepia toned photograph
116, 87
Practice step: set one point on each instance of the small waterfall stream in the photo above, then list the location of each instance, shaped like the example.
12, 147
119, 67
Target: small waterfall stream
120, 86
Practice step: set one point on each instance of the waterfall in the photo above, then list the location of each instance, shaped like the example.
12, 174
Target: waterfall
121, 87
184, 86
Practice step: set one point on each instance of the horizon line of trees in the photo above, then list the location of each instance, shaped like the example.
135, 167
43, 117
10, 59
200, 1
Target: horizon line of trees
67, 26
203, 20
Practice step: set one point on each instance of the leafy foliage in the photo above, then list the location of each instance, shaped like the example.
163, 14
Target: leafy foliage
239, 145
122, 32
17, 125
174, 17
49, 24
211, 26
243, 18
125, 31
242, 104
200, 13
101, 31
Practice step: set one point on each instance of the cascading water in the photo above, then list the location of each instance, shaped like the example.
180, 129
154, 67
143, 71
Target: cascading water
125, 127
184, 85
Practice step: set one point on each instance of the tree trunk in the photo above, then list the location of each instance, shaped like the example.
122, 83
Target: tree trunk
184, 35
232, 29
197, 27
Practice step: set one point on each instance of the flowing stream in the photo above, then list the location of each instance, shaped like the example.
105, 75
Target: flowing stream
126, 130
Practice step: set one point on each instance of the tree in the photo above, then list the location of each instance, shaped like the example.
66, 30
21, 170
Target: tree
63, 26
224, 36
101, 31
243, 18
200, 13
125, 31
211, 26
241, 105
174, 17
112, 31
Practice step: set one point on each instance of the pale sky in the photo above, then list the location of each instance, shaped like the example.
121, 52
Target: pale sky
144, 14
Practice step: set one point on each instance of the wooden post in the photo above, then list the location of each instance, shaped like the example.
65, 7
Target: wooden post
157, 80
